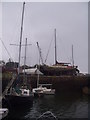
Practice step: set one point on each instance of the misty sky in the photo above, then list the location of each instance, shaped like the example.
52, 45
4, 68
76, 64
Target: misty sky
40, 20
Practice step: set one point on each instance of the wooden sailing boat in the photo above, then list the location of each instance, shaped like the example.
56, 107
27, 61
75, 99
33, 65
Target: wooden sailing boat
60, 68
20, 96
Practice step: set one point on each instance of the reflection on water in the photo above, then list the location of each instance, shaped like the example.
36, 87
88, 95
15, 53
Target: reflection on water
63, 106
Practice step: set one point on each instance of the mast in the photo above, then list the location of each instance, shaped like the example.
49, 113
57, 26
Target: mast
38, 80
21, 37
55, 49
39, 63
72, 57
25, 58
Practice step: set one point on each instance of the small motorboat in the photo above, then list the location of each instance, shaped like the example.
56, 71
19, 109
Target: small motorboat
3, 113
42, 91
38, 92
48, 91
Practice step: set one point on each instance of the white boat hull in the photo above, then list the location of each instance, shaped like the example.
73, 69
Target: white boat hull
44, 91
3, 112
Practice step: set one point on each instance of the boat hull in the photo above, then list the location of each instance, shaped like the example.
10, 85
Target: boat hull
3, 112
19, 101
42, 91
49, 92
38, 94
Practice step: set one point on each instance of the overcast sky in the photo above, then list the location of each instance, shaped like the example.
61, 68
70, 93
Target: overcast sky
40, 20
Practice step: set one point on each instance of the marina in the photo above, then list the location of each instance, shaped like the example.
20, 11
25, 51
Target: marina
40, 88
63, 106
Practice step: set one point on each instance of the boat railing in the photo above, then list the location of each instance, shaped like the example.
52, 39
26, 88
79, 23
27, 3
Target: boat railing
47, 115
45, 84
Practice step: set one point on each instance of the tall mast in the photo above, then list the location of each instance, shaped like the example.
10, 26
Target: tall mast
21, 37
25, 58
72, 57
55, 49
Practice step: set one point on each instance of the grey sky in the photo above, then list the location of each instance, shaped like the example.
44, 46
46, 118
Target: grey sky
70, 20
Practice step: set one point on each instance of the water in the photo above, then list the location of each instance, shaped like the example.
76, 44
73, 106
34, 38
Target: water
62, 106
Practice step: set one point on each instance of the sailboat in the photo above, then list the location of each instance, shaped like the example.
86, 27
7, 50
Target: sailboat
59, 68
41, 90
64, 68
20, 96
38, 91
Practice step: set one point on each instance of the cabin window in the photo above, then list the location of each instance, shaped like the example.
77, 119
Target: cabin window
25, 92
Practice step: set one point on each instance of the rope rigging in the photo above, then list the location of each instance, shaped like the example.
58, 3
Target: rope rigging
48, 50
6, 50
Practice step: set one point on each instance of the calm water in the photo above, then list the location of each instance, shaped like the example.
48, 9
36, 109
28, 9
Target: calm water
62, 106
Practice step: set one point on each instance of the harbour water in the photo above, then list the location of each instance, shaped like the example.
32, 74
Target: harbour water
67, 105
